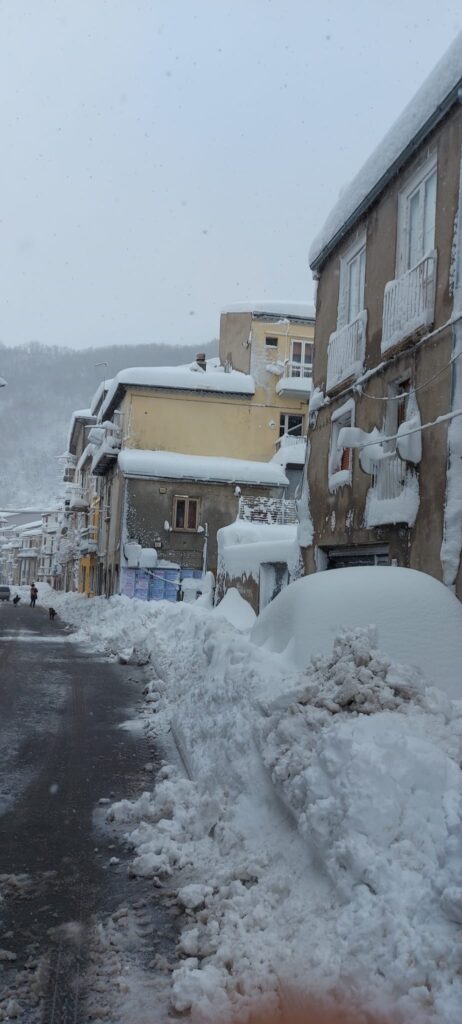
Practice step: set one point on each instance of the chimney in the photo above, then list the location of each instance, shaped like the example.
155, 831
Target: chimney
201, 360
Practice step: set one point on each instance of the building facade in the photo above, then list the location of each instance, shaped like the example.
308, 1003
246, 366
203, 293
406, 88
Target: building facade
384, 469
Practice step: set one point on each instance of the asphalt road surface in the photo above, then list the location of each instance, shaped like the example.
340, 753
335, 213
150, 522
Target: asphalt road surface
61, 752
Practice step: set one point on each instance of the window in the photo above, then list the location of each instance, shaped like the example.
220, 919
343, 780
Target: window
352, 282
289, 424
398, 393
340, 458
301, 358
417, 212
185, 513
271, 341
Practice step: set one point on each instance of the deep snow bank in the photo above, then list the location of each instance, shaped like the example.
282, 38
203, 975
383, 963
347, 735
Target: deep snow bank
419, 620
317, 841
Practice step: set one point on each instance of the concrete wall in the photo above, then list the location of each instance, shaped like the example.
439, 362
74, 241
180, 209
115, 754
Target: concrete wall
338, 517
149, 504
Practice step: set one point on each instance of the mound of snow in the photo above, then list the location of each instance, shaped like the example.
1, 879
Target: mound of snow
419, 621
236, 610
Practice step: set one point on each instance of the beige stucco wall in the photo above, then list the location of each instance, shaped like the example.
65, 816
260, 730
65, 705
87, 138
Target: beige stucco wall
203, 424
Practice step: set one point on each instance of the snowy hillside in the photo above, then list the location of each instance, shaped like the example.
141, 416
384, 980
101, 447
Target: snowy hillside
44, 386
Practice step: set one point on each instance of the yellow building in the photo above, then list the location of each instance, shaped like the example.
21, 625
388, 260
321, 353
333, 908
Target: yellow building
239, 406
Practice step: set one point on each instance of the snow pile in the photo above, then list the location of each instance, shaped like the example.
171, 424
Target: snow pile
419, 620
185, 378
243, 546
174, 465
236, 610
316, 841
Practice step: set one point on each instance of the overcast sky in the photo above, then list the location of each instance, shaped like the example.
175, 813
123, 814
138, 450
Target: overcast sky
163, 158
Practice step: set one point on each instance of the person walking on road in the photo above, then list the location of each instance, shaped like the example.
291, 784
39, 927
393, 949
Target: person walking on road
33, 595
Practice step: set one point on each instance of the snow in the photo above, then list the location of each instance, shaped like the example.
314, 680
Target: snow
399, 508
82, 416
451, 546
315, 843
296, 384
392, 150
419, 620
181, 378
101, 390
281, 307
290, 453
317, 400
236, 610
173, 465
243, 546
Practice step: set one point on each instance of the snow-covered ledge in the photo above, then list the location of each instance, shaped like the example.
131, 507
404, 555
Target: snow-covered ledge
340, 476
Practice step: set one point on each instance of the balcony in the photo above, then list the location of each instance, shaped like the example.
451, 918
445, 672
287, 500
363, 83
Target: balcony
296, 379
409, 303
273, 511
394, 494
88, 540
345, 353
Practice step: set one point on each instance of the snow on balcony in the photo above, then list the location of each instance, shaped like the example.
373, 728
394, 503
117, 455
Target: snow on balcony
295, 380
409, 303
273, 511
346, 350
394, 495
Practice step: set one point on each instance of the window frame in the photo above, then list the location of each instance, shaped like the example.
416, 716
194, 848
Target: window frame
187, 498
415, 184
396, 402
284, 418
338, 477
352, 253
304, 366
271, 341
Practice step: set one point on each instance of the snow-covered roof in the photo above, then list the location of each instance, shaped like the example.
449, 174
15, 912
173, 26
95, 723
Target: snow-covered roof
283, 308
79, 416
181, 378
35, 527
176, 466
430, 103
101, 390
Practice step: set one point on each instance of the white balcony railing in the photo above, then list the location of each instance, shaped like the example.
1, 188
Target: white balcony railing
345, 354
389, 477
394, 495
290, 440
409, 302
280, 511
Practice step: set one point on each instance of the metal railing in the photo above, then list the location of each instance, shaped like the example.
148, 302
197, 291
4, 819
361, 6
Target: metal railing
273, 511
300, 370
346, 350
409, 302
389, 477
289, 440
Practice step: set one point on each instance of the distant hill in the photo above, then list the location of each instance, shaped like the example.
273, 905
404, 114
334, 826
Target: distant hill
45, 384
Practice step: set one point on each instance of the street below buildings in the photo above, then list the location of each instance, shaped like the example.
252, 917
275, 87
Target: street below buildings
64, 881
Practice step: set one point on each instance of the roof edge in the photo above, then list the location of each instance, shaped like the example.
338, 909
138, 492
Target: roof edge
437, 116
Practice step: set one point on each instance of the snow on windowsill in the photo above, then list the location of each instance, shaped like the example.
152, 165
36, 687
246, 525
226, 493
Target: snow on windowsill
342, 478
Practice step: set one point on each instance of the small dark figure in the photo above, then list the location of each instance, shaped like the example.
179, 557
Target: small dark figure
52, 613
16, 599
33, 595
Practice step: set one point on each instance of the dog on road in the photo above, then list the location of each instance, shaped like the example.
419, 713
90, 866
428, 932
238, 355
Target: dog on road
16, 599
52, 613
